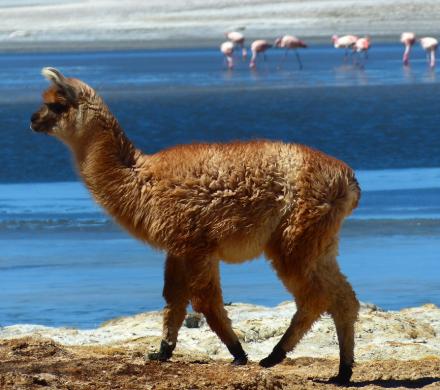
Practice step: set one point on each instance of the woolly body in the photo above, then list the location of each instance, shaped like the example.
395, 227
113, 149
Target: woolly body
289, 42
203, 203
346, 41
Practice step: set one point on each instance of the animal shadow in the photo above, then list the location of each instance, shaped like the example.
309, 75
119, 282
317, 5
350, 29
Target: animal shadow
392, 383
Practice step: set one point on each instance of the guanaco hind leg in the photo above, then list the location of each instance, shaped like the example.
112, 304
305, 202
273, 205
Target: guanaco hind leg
321, 289
344, 310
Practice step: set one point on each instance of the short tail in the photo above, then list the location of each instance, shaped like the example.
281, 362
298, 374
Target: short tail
356, 190
328, 197
325, 197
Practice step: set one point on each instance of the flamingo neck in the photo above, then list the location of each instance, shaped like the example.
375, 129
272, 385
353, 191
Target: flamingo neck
406, 54
230, 61
253, 59
432, 62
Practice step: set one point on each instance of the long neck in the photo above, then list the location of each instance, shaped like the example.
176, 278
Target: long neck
406, 54
432, 58
108, 164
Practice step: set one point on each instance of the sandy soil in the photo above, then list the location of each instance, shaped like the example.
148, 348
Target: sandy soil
30, 363
67, 24
394, 349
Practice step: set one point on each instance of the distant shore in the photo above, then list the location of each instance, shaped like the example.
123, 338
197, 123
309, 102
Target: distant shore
66, 25
129, 45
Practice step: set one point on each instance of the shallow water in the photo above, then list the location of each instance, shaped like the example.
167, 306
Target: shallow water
63, 262
382, 116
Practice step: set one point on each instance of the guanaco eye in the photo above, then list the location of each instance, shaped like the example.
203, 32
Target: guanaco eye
57, 108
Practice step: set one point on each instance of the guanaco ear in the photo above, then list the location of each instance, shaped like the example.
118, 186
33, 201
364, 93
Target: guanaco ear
65, 89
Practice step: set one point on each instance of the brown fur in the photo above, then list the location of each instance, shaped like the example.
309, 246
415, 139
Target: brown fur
203, 203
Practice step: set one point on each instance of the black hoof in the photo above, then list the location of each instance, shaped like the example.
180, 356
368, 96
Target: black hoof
275, 357
157, 356
240, 361
343, 377
339, 381
240, 357
164, 354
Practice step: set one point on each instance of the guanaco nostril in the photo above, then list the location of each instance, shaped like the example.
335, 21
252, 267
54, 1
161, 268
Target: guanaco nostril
34, 117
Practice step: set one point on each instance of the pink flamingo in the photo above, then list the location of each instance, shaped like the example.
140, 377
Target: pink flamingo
290, 42
429, 44
257, 47
362, 45
227, 48
408, 39
237, 38
347, 42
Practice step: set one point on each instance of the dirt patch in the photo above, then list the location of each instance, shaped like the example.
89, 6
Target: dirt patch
42, 364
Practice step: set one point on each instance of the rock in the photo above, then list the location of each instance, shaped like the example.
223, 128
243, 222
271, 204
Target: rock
407, 334
44, 379
193, 320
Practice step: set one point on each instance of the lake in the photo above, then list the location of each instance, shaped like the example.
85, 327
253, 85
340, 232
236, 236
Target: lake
64, 263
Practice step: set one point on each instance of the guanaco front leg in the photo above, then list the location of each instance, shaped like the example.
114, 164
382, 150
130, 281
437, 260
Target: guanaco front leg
206, 298
176, 294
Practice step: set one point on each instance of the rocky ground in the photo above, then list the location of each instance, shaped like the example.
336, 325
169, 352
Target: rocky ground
30, 363
393, 350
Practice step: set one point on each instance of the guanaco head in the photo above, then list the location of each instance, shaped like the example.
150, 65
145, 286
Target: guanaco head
68, 108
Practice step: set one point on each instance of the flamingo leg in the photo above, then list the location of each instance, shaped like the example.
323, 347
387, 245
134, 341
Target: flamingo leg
352, 55
361, 60
299, 59
283, 58
356, 58
253, 64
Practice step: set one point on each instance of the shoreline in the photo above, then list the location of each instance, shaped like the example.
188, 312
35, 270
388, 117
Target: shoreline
72, 46
412, 333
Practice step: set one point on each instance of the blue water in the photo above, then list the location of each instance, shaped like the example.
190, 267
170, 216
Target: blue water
62, 260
